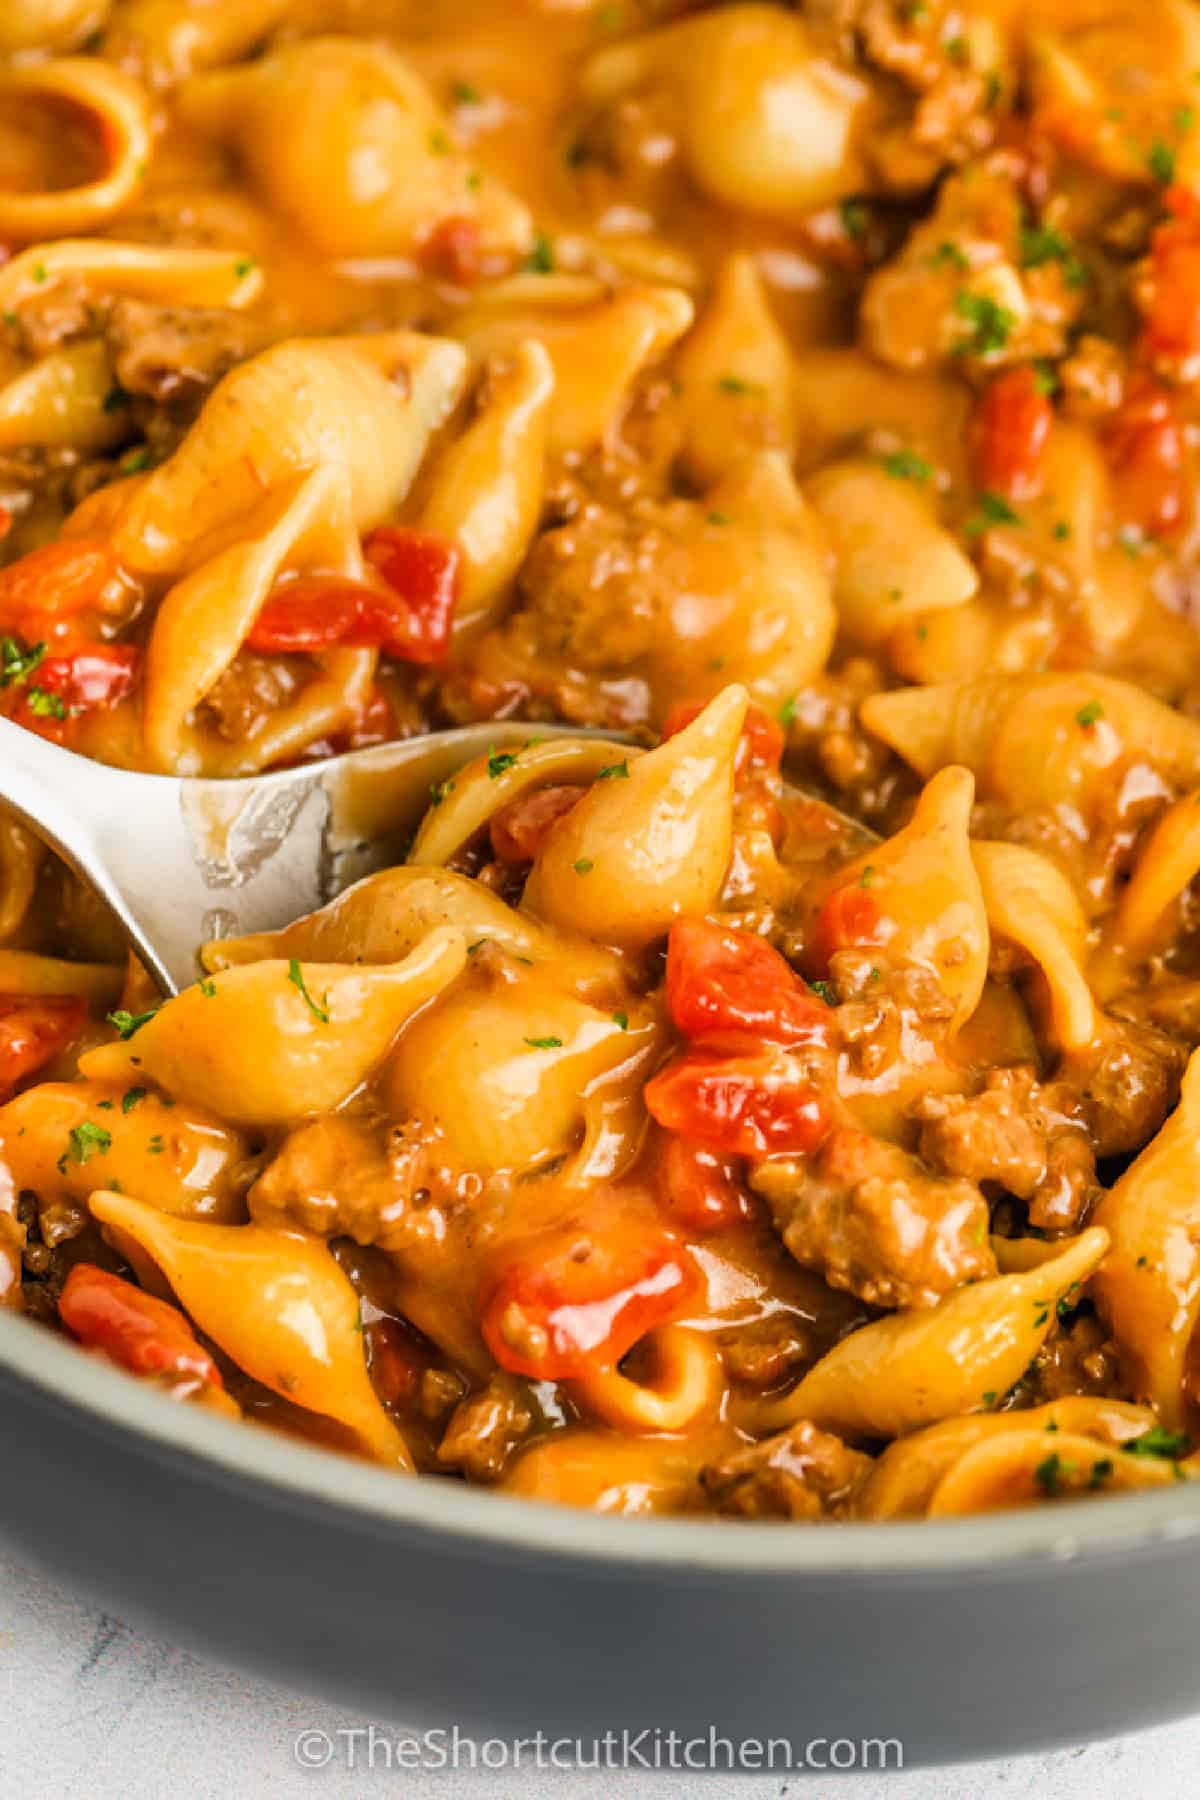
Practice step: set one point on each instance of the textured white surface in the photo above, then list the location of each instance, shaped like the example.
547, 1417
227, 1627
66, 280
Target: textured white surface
89, 1710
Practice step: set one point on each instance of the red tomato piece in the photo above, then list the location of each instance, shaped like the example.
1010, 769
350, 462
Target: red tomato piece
698, 1189
33, 1028
570, 1300
132, 1328
312, 613
519, 829
1169, 290
40, 591
723, 983
425, 573
760, 749
79, 681
850, 919
749, 1105
453, 252
1144, 445
1009, 434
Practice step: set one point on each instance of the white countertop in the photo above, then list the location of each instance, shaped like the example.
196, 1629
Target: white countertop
90, 1710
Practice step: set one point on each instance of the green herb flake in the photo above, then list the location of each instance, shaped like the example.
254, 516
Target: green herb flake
474, 180
956, 48
499, 762
853, 215
84, 1142
621, 1019
867, 876
988, 1396
155, 1145
948, 255
465, 93
1089, 714
720, 518
540, 260
45, 705
127, 1023
16, 663
1042, 244
787, 712
115, 399
993, 87
736, 384
906, 465
991, 324
439, 143
994, 509
1160, 160
545, 1043
583, 865
614, 772
243, 268
134, 461
296, 976
1050, 1471
1158, 1441
1102, 1468
40, 273
826, 991
131, 1097
1045, 379
1184, 118
1061, 531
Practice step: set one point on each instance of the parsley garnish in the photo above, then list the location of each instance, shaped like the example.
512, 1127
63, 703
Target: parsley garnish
127, 1023
115, 399
949, 256
720, 518
854, 219
85, 1141
906, 465
1158, 1441
994, 509
826, 991
439, 143
131, 1097
621, 1019
1088, 714
614, 772
499, 761
134, 461
45, 705
465, 93
242, 269
540, 260
867, 876
735, 384
155, 1145
546, 1043
1160, 160
1050, 1470
1062, 531
991, 324
296, 976
583, 865
1041, 244
787, 712
16, 663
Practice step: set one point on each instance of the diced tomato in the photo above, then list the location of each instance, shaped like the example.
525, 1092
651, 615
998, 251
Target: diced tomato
748, 1105
82, 681
1009, 434
6, 520
725, 984
453, 252
518, 829
569, 1300
1169, 290
40, 593
1144, 445
409, 618
762, 741
425, 572
33, 1028
132, 1328
698, 1189
850, 919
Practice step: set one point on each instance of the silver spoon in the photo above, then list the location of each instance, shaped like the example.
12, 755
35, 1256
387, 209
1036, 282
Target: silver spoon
182, 860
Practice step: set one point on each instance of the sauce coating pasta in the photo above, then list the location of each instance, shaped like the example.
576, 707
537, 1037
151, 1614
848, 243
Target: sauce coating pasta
779, 1105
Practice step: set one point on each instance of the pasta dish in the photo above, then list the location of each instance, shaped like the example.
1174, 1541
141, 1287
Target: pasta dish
775, 1102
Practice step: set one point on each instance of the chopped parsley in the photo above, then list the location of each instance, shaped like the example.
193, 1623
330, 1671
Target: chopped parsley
1102, 1468
127, 1023
736, 384
45, 705
499, 762
994, 509
540, 260
208, 988
906, 465
948, 255
84, 1141
40, 273
1160, 160
583, 866
1158, 1441
242, 269
546, 1043
1050, 1471
867, 876
438, 791
787, 712
295, 975
621, 1019
720, 518
1062, 531
439, 143
155, 1145
988, 1396
854, 219
131, 1097
991, 324
614, 772
134, 461
1045, 378
115, 399
465, 93
1042, 244
1089, 713
16, 663
825, 990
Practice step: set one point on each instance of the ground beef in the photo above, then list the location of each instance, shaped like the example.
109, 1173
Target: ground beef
1125, 1084
1027, 1139
251, 688
768, 1352
803, 1473
874, 1221
880, 1003
485, 1428
167, 351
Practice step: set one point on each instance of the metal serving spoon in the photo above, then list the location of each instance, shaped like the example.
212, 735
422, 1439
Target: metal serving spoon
182, 860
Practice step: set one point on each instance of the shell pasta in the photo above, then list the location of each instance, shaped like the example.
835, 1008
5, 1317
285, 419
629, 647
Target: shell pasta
780, 1099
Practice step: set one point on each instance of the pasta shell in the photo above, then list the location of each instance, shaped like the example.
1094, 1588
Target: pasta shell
1030, 902
118, 110
1019, 1468
273, 1042
48, 24
733, 373
486, 492
62, 401
635, 855
169, 274
276, 1303
915, 1368
1149, 1287
1167, 863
